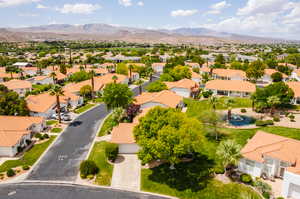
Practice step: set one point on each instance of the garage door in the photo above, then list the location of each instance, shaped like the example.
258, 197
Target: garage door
128, 148
294, 191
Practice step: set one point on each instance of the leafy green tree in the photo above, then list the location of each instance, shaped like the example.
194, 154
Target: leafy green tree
156, 86
181, 72
277, 77
63, 69
236, 65
166, 77
79, 76
279, 89
212, 121
284, 69
273, 101
122, 69
220, 59
271, 63
213, 100
57, 91
228, 152
168, 134
86, 91
117, 95
11, 70
255, 70
11, 103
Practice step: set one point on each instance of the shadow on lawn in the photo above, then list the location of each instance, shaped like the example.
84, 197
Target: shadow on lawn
193, 175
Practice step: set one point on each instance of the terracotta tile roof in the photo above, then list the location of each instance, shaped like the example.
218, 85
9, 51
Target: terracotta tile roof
39, 78
275, 146
287, 64
295, 86
205, 69
7, 75
107, 64
136, 64
270, 72
123, 134
11, 138
184, 83
192, 64
17, 84
196, 75
59, 75
8, 123
231, 85
165, 97
43, 102
229, 72
29, 68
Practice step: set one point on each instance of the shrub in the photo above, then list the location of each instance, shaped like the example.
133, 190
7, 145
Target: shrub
292, 117
276, 119
269, 122
266, 195
25, 167
10, 173
38, 135
264, 122
219, 170
46, 136
262, 186
245, 178
90, 177
111, 151
28, 142
88, 167
243, 110
280, 198
207, 94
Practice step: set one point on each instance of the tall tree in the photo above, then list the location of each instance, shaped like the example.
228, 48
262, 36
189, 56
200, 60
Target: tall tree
92, 74
228, 152
140, 83
57, 91
255, 70
228, 103
273, 102
213, 100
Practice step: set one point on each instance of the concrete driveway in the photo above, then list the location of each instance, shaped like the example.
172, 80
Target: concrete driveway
127, 173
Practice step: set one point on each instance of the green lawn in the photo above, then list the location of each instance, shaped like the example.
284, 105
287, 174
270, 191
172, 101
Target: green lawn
195, 106
56, 130
106, 126
29, 158
99, 157
84, 108
98, 100
51, 122
191, 181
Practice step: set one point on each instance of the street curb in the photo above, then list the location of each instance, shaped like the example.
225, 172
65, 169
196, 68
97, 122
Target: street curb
66, 183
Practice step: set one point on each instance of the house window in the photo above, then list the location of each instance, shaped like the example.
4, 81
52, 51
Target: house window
250, 163
284, 164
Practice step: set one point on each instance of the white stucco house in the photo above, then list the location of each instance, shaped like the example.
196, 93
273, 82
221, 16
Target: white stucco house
19, 86
296, 74
295, 86
158, 67
230, 88
183, 88
272, 156
228, 74
13, 136
267, 78
41, 80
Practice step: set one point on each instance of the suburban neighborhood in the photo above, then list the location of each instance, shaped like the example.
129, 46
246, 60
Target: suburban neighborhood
116, 111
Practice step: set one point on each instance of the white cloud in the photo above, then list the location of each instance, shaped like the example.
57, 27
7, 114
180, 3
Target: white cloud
264, 6
41, 6
218, 7
140, 3
8, 3
79, 8
183, 13
27, 15
125, 3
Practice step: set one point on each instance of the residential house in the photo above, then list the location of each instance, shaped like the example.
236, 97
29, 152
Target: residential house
4, 75
164, 58
267, 78
196, 77
163, 98
296, 74
13, 136
22, 64
183, 88
41, 80
273, 156
192, 64
158, 67
19, 86
30, 71
231, 88
228, 74
295, 86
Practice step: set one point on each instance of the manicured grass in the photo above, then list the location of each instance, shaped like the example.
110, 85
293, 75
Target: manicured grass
98, 100
191, 181
83, 108
29, 158
99, 157
195, 107
105, 127
56, 130
51, 122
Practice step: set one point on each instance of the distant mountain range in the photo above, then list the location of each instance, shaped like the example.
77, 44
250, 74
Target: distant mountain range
101, 32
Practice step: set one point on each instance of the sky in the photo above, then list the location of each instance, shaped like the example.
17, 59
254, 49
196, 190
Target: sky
271, 18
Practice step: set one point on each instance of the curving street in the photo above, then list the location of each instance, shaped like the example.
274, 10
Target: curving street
58, 191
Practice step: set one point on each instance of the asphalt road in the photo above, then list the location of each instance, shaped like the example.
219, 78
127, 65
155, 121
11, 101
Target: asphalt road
61, 162
56, 191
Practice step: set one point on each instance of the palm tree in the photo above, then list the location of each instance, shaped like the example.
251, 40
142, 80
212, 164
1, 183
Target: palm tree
140, 83
228, 152
213, 100
130, 67
53, 75
228, 103
92, 74
57, 91
115, 78
273, 101
21, 71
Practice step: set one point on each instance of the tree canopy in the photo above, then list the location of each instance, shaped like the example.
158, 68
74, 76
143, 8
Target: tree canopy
117, 95
156, 86
255, 70
79, 76
181, 72
122, 69
168, 134
11, 103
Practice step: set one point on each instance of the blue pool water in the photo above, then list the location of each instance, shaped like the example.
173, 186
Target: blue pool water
240, 120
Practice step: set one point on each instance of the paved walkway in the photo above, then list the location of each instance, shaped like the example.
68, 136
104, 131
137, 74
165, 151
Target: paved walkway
127, 173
